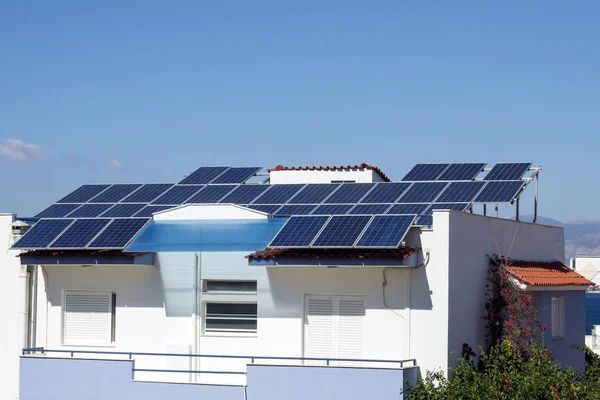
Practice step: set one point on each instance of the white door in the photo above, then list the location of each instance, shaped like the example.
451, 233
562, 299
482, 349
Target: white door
334, 327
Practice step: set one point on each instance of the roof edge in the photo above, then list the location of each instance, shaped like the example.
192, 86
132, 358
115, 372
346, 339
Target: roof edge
332, 168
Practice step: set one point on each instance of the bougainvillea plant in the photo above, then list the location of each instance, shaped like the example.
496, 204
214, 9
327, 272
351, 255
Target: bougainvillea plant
510, 311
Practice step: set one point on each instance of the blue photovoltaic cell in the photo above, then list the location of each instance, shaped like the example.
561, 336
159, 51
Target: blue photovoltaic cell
57, 210
349, 193
386, 231
425, 172
408, 208
177, 195
507, 171
80, 233
330, 209
83, 194
460, 192
212, 194
448, 206
279, 194
118, 233
370, 209
422, 192
123, 210
244, 194
237, 175
90, 210
462, 172
386, 193
203, 175
499, 192
115, 193
147, 193
296, 209
299, 231
149, 210
314, 193
266, 208
42, 233
342, 231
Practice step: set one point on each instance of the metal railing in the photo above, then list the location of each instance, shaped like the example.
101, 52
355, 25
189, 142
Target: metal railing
252, 359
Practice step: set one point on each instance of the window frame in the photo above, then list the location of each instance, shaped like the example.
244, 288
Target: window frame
113, 319
205, 289
228, 332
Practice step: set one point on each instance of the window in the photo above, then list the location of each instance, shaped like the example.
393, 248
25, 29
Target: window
558, 317
89, 317
230, 286
230, 318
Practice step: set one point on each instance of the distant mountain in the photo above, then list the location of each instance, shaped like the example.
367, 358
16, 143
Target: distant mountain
582, 238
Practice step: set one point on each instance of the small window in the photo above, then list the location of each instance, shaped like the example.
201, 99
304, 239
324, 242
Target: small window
230, 286
230, 317
89, 317
558, 317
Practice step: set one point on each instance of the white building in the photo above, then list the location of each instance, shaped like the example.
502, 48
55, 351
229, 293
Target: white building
196, 295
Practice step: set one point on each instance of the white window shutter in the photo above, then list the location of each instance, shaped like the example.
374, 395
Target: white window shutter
319, 328
87, 317
351, 329
556, 320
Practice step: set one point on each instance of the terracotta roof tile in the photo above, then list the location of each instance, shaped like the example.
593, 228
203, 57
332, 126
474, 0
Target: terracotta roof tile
332, 168
333, 253
538, 273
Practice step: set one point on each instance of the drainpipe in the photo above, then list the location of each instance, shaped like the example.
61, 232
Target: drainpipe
197, 310
33, 306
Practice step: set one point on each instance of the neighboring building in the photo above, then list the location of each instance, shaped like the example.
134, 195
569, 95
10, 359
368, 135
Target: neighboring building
588, 267
210, 279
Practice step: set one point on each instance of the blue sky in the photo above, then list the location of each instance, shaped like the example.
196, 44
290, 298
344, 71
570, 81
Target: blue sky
145, 91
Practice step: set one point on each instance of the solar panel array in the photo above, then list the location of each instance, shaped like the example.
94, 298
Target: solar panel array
109, 216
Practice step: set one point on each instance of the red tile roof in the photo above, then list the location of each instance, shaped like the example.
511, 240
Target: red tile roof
538, 273
333, 253
333, 168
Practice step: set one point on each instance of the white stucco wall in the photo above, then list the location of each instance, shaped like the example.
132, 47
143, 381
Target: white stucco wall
294, 176
13, 311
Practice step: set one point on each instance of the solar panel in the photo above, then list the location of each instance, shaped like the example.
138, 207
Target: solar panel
329, 209
57, 210
266, 208
314, 193
90, 210
115, 193
349, 193
425, 172
149, 210
459, 192
342, 231
499, 192
244, 194
237, 175
212, 194
83, 194
177, 195
279, 194
299, 231
386, 231
462, 172
296, 209
147, 193
386, 192
448, 206
203, 175
123, 210
118, 233
408, 208
42, 233
507, 171
80, 233
422, 192
370, 209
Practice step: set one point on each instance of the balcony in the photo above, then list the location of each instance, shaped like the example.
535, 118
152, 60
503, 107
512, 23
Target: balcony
104, 375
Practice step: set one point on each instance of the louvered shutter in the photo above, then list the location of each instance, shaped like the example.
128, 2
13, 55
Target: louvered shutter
351, 329
556, 319
319, 328
88, 318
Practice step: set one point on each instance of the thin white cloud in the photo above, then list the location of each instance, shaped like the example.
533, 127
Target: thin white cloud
114, 163
19, 151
